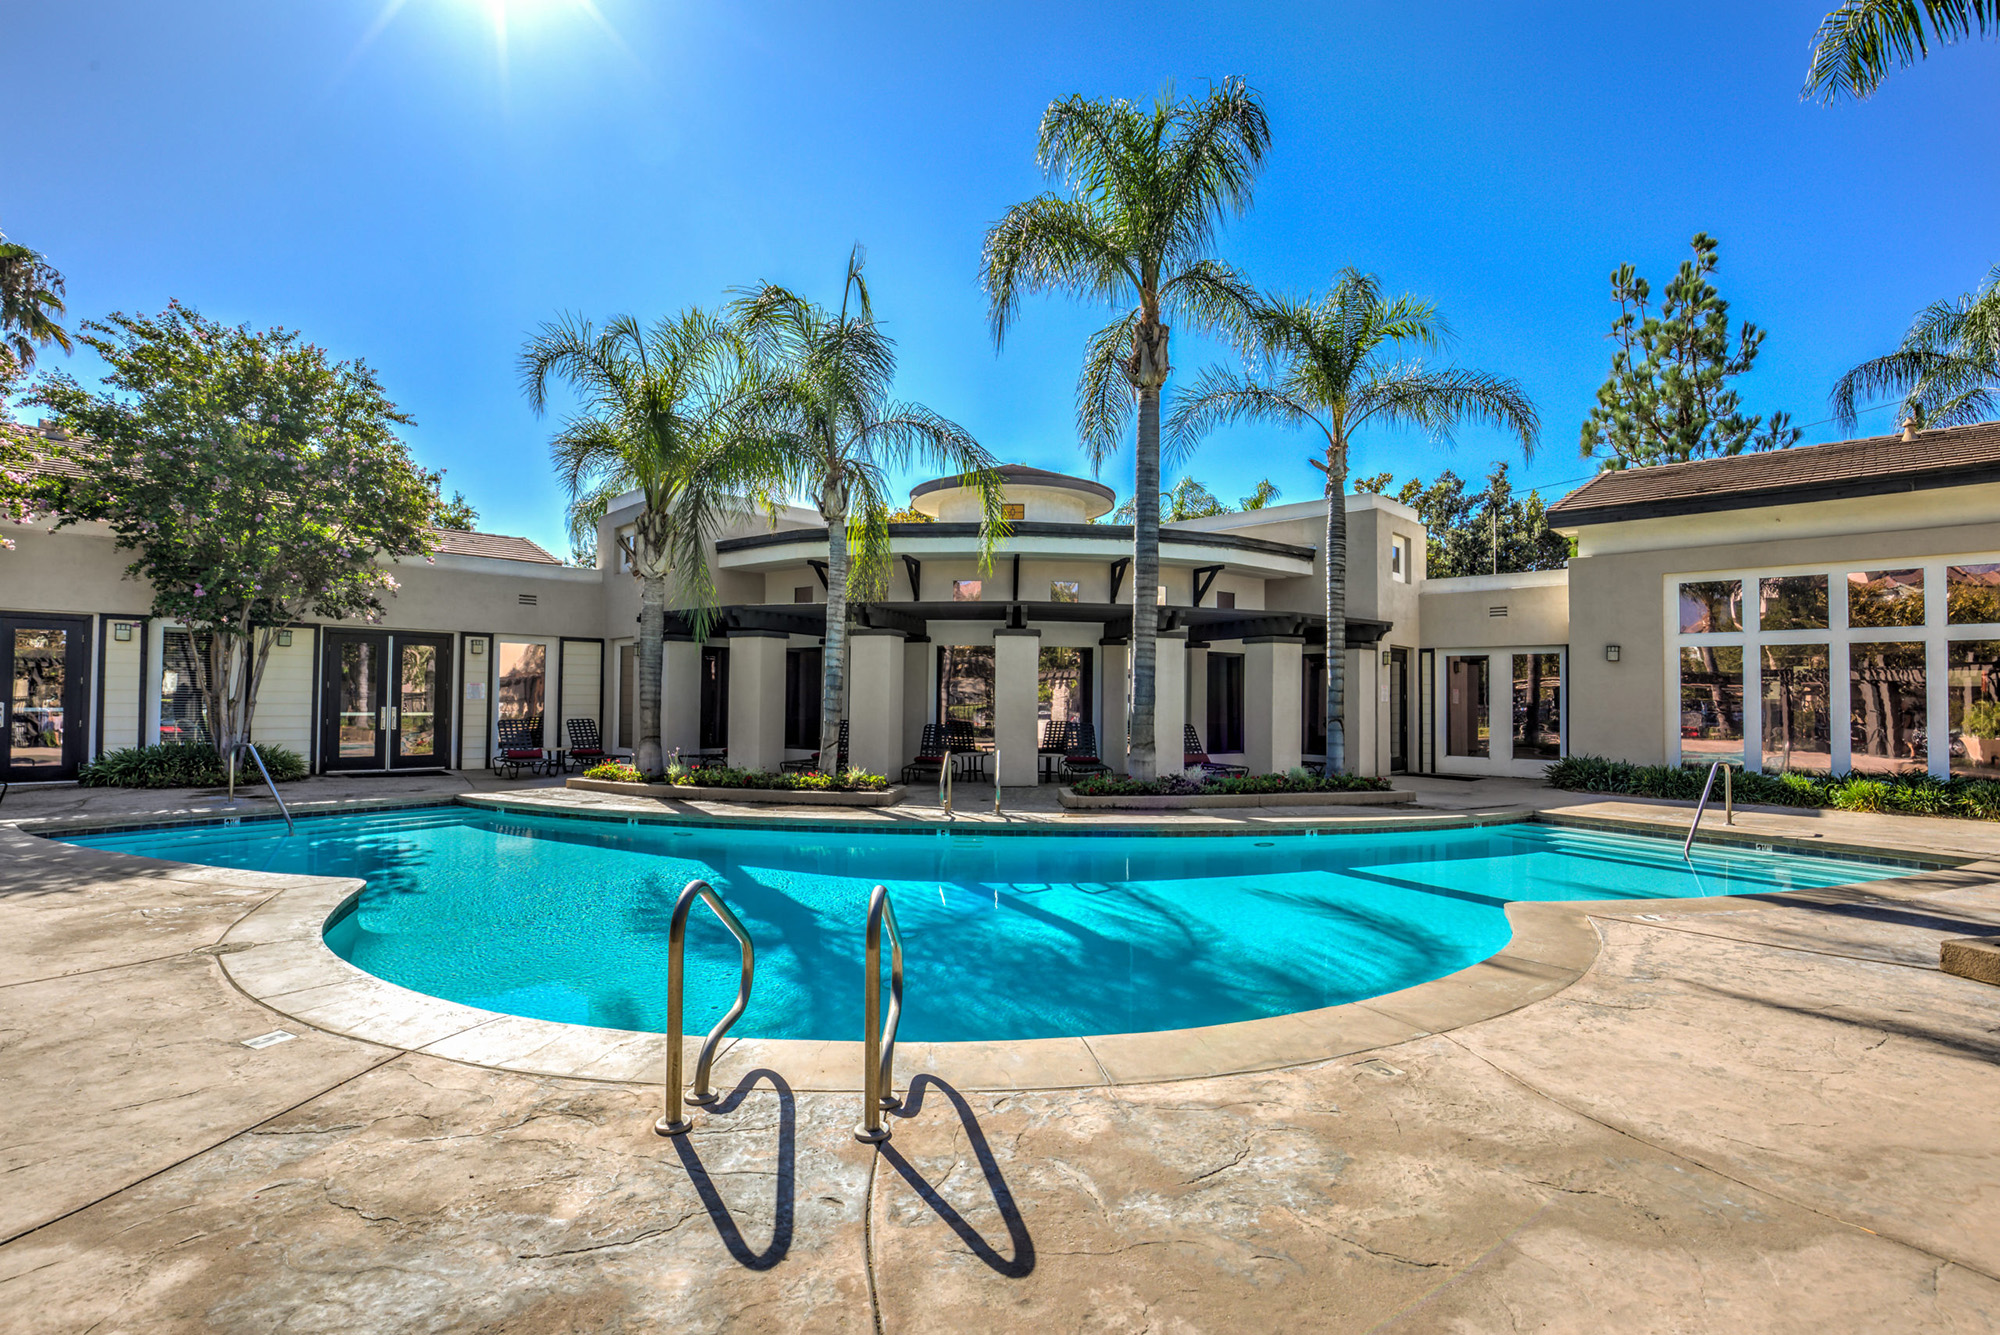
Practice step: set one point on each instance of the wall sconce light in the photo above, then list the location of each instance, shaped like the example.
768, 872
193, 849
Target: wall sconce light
284, 639
1385, 658
1611, 653
475, 646
121, 630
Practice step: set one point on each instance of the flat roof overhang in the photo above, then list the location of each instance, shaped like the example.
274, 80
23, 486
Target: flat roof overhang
913, 620
1105, 542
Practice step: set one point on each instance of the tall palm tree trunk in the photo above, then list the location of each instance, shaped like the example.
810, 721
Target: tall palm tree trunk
650, 756
1336, 610
833, 682
1142, 758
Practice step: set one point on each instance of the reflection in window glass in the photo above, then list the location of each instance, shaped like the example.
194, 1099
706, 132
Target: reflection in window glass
1065, 591
1062, 692
1712, 703
1796, 716
523, 681
183, 669
1792, 602
1974, 692
1711, 605
1972, 595
965, 691
1886, 706
1538, 706
1885, 598
965, 590
1466, 730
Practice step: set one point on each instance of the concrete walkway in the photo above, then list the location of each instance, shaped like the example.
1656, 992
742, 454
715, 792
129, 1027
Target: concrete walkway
1771, 1117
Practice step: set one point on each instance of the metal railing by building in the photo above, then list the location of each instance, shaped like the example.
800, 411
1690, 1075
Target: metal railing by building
674, 1122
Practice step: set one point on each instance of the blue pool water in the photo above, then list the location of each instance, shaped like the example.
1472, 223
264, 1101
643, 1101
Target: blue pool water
1005, 936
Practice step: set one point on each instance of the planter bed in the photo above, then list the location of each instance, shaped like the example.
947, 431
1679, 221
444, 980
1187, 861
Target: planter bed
791, 797
1173, 802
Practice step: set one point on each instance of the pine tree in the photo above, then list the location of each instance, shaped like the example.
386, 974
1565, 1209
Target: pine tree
1668, 398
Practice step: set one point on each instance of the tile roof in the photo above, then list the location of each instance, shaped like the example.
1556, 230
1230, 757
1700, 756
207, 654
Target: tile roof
1873, 465
498, 546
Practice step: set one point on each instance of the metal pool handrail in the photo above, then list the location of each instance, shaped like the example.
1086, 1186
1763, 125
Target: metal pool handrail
1728, 801
283, 810
944, 783
879, 1041
674, 1123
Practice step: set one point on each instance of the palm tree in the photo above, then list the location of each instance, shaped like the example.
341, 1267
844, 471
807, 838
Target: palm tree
1947, 369
1134, 228
1332, 363
822, 406
1858, 43
31, 295
658, 415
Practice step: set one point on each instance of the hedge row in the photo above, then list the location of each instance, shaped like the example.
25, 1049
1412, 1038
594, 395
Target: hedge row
849, 781
1910, 793
1225, 785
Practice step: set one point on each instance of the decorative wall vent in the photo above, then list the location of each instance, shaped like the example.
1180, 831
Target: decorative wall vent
529, 600
1500, 611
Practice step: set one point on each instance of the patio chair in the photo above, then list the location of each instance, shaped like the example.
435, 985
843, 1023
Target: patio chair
1082, 760
586, 744
520, 747
812, 762
1058, 740
929, 763
1196, 758
963, 743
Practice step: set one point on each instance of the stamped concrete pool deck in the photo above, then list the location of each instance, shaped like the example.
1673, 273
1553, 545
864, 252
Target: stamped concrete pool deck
1768, 1114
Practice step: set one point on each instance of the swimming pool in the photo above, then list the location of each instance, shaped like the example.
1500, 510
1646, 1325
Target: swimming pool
1015, 936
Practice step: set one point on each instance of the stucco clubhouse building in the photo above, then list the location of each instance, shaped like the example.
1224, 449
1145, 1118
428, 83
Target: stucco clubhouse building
1831, 607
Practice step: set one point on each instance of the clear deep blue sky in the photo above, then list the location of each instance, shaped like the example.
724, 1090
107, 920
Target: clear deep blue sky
422, 197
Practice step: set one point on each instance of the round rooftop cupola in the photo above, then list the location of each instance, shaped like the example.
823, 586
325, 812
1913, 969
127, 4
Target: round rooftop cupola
1044, 497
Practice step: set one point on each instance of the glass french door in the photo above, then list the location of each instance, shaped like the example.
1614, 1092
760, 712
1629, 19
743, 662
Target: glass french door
385, 701
42, 724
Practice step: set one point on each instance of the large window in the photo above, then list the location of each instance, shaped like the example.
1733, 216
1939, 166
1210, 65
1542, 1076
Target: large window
1062, 689
1797, 715
1538, 706
1712, 703
1974, 691
524, 680
965, 689
1885, 598
1885, 688
1711, 606
1225, 704
1467, 731
183, 674
802, 698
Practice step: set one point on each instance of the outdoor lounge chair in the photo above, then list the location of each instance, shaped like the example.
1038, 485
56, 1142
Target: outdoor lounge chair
520, 747
812, 762
929, 763
1082, 760
586, 744
963, 743
1196, 758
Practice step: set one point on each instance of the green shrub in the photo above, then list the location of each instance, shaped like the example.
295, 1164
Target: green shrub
184, 765
618, 771
1859, 794
1910, 792
678, 776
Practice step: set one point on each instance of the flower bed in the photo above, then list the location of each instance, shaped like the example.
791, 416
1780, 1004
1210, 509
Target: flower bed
811, 781
1909, 793
1296, 789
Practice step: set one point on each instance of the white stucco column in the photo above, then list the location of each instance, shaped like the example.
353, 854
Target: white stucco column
680, 698
1169, 700
1112, 658
757, 698
874, 701
1017, 660
919, 697
1272, 728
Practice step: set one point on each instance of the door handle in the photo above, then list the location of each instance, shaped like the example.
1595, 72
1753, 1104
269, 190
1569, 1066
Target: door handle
382, 718
395, 719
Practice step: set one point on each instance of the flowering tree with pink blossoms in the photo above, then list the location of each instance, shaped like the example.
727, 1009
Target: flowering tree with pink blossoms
255, 481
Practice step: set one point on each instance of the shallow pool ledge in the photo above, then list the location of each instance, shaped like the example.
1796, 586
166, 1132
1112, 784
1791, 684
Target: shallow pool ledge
278, 955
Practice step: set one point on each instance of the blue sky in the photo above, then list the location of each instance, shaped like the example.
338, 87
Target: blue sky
402, 186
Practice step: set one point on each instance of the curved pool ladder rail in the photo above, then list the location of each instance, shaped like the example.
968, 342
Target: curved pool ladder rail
1728, 802
878, 1061
675, 1122
283, 810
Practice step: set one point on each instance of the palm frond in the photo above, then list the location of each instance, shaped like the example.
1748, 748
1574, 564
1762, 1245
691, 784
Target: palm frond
1104, 400
1221, 398
1438, 401
1861, 41
1050, 244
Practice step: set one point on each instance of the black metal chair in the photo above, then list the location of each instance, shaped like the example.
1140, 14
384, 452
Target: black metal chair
1058, 740
586, 743
520, 747
1083, 760
1196, 758
929, 763
812, 762
963, 743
